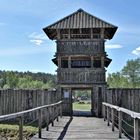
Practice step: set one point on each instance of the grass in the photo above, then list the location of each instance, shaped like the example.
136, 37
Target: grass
81, 106
12, 131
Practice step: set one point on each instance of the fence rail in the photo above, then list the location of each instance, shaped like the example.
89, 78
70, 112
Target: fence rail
57, 109
109, 114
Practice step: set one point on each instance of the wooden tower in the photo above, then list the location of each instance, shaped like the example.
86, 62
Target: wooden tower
81, 57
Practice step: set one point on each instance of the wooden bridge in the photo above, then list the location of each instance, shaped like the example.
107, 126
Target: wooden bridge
78, 127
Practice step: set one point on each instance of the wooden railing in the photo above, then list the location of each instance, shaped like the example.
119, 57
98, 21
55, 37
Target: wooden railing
109, 115
57, 111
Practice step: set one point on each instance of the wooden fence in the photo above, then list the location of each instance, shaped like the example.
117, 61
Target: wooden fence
12, 101
127, 98
49, 116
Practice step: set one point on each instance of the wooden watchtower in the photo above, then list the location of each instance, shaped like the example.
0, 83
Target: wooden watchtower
81, 57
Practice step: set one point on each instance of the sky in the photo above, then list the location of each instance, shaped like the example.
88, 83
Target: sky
25, 47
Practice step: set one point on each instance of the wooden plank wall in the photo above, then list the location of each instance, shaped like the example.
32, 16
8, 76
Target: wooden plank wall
127, 98
12, 101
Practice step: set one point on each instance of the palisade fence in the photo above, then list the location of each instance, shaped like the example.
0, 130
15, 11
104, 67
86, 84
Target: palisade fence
12, 101
124, 97
128, 99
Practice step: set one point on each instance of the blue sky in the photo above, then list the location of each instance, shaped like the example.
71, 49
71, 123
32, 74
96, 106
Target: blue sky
24, 46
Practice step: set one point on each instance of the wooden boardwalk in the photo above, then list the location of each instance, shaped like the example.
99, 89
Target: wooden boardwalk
80, 128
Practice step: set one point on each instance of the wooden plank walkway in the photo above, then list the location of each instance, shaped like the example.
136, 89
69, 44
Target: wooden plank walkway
80, 128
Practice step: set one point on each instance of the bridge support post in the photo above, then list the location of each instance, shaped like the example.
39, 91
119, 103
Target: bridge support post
39, 122
61, 110
47, 120
108, 118
136, 129
104, 111
20, 128
120, 124
112, 114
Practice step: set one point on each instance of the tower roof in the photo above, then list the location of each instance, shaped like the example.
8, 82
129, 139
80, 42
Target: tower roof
80, 20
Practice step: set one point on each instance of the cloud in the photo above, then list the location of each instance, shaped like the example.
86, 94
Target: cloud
37, 42
37, 39
113, 46
136, 51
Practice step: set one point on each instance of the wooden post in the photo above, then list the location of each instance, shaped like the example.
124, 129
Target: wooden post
47, 119
91, 30
91, 61
39, 122
58, 34
112, 114
120, 124
57, 119
104, 114
69, 62
102, 33
20, 128
108, 116
52, 116
61, 110
57, 113
102, 62
59, 62
136, 129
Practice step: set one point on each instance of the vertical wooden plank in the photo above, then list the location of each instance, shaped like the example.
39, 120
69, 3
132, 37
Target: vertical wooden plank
136, 129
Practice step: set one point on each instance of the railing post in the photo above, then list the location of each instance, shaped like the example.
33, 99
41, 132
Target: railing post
120, 124
47, 119
108, 116
52, 110
39, 122
20, 128
112, 114
61, 110
104, 112
57, 113
136, 129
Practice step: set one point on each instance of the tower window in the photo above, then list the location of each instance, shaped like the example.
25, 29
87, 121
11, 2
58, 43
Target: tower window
97, 63
64, 64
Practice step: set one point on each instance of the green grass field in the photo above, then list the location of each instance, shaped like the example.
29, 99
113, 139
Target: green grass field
84, 107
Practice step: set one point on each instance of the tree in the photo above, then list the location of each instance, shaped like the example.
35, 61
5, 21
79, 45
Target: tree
11, 79
132, 71
116, 80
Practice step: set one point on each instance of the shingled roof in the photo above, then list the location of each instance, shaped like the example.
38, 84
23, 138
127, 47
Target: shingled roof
78, 20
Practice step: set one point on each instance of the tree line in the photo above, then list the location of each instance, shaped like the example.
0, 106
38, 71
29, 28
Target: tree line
128, 77
26, 80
